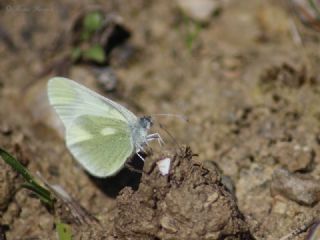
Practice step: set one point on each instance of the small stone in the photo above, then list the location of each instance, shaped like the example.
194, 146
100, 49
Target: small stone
5, 129
164, 166
296, 187
293, 157
199, 10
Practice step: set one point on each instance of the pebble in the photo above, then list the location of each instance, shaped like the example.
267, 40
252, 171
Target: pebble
301, 189
199, 10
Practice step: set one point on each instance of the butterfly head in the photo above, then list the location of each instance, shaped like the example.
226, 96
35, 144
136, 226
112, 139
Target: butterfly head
145, 122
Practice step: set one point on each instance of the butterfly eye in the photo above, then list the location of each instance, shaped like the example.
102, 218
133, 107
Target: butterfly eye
145, 122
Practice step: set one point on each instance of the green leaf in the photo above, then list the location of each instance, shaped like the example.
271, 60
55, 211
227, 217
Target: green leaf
43, 194
64, 231
92, 21
95, 53
16, 165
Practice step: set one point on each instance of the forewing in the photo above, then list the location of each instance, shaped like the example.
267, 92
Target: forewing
72, 100
101, 145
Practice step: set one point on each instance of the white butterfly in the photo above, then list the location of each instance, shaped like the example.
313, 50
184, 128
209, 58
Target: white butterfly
100, 133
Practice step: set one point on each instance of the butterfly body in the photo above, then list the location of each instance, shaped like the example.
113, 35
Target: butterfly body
100, 134
140, 131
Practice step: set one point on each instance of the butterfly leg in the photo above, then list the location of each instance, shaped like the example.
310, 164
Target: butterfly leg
137, 152
155, 136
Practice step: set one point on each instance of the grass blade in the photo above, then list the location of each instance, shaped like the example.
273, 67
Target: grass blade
43, 194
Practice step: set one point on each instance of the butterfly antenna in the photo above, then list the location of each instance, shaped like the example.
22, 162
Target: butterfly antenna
170, 135
179, 116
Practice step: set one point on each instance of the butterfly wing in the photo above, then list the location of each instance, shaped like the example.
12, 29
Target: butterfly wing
72, 100
102, 145
97, 129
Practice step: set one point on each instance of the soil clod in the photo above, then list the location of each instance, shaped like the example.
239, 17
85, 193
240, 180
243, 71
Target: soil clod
189, 203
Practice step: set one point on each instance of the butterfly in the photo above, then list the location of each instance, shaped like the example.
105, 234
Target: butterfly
100, 133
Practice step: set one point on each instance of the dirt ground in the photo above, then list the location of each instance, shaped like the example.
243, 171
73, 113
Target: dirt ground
248, 80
